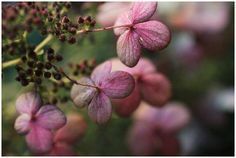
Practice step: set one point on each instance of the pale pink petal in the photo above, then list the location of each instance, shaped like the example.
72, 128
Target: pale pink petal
170, 145
39, 140
142, 11
28, 103
125, 107
155, 89
142, 140
100, 109
22, 123
73, 131
128, 48
50, 117
123, 19
174, 116
154, 35
82, 95
62, 149
100, 72
118, 84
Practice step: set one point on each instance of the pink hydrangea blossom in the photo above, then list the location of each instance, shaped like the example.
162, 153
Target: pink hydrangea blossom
154, 129
37, 122
140, 32
103, 85
150, 86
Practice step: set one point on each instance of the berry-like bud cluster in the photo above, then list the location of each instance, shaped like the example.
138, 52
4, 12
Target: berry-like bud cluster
83, 68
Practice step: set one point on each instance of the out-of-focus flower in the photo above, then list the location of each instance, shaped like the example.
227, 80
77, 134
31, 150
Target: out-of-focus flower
201, 17
140, 32
37, 121
109, 11
154, 130
66, 136
150, 86
96, 91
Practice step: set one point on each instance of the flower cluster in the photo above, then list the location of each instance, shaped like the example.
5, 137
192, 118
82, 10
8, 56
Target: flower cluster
95, 92
140, 32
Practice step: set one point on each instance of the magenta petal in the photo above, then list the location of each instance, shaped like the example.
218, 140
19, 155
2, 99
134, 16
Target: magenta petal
82, 95
28, 103
142, 11
100, 108
126, 106
155, 89
128, 48
101, 71
153, 35
62, 149
170, 145
123, 19
118, 84
50, 117
22, 124
39, 139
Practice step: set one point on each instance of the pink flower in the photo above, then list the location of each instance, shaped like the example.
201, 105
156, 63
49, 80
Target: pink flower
155, 129
37, 121
141, 32
150, 86
68, 135
103, 85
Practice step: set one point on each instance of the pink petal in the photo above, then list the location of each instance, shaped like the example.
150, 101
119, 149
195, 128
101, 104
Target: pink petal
153, 35
155, 89
62, 149
73, 131
128, 48
101, 71
50, 117
118, 84
28, 103
174, 116
126, 106
39, 139
82, 95
142, 11
123, 19
22, 124
100, 109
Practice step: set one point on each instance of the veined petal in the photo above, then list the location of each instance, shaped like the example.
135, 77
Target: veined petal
118, 84
142, 11
28, 103
128, 48
50, 117
155, 89
39, 139
82, 95
100, 108
123, 19
100, 72
22, 123
153, 35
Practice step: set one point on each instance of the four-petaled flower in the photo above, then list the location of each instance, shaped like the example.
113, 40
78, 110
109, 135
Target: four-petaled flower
37, 122
95, 92
140, 32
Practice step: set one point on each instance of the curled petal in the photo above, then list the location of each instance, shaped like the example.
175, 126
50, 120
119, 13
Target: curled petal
100, 72
82, 95
128, 48
118, 84
74, 129
126, 106
100, 109
123, 19
50, 117
39, 139
142, 11
155, 89
28, 103
62, 149
22, 124
153, 35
